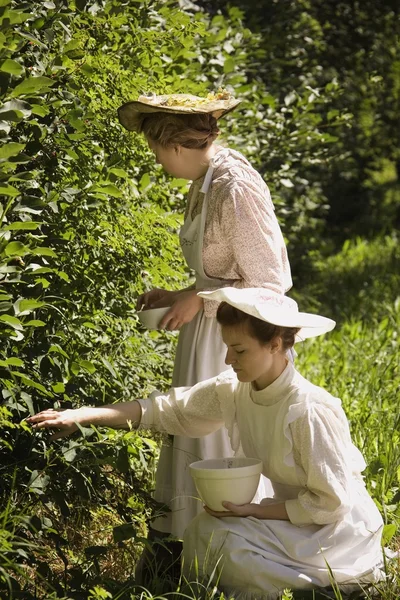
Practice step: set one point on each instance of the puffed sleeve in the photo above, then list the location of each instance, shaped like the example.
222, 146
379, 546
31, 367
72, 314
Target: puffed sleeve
189, 411
324, 453
251, 229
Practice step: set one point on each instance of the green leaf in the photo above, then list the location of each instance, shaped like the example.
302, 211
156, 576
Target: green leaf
32, 85
63, 276
144, 182
229, 65
38, 482
8, 190
28, 401
109, 189
30, 382
4, 126
88, 366
12, 67
332, 114
23, 225
12, 362
43, 251
5, 306
34, 323
10, 149
179, 183
15, 110
75, 368
7, 269
15, 249
33, 39
87, 69
13, 321
14, 17
26, 306
388, 532
57, 348
119, 173
58, 388
90, 325
41, 111
70, 454
109, 366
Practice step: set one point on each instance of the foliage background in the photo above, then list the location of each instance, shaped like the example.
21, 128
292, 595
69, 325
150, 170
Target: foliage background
88, 222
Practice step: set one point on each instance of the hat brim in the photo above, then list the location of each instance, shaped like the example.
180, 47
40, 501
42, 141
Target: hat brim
310, 325
131, 114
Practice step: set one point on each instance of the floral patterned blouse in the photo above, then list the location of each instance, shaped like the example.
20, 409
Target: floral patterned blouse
243, 243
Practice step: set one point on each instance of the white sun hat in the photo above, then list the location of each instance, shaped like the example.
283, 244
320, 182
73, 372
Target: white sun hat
267, 305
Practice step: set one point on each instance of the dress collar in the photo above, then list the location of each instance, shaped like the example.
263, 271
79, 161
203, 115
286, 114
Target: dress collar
205, 180
277, 390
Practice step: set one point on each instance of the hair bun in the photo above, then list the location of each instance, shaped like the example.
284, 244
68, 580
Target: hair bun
214, 129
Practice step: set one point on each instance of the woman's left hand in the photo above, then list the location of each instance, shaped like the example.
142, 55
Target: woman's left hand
270, 508
184, 308
235, 510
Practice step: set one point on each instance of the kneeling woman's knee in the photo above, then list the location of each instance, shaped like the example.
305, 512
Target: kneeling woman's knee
203, 542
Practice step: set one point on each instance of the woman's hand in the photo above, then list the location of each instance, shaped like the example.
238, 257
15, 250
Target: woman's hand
156, 298
185, 306
65, 420
275, 510
234, 510
121, 415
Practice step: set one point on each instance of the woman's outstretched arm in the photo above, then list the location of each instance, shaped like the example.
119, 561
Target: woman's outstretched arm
121, 415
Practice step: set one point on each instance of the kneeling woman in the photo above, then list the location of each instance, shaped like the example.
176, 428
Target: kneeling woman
321, 517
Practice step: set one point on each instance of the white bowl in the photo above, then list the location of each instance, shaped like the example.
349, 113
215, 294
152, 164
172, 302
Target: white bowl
231, 479
151, 317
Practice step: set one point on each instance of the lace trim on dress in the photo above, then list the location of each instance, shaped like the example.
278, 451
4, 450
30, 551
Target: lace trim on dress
298, 410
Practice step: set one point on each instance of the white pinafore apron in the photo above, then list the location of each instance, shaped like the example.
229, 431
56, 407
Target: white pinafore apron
200, 355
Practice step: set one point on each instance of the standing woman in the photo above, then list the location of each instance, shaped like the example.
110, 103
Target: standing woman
230, 237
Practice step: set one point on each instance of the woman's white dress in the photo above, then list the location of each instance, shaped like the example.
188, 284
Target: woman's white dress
301, 434
201, 352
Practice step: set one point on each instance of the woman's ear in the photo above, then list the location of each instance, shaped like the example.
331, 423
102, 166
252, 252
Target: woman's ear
178, 150
276, 344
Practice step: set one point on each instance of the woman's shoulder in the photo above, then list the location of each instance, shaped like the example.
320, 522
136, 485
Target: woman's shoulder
309, 401
236, 182
232, 169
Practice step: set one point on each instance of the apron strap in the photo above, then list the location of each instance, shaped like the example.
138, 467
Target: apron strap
207, 180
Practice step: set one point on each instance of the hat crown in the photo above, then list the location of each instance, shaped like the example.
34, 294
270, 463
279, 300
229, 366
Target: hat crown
270, 299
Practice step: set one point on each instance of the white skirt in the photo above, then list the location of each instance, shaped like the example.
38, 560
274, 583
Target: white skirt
255, 558
200, 355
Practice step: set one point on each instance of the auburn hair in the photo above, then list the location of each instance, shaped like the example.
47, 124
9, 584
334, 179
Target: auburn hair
264, 332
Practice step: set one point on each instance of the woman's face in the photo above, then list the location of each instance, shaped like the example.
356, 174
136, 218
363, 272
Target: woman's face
251, 360
169, 158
